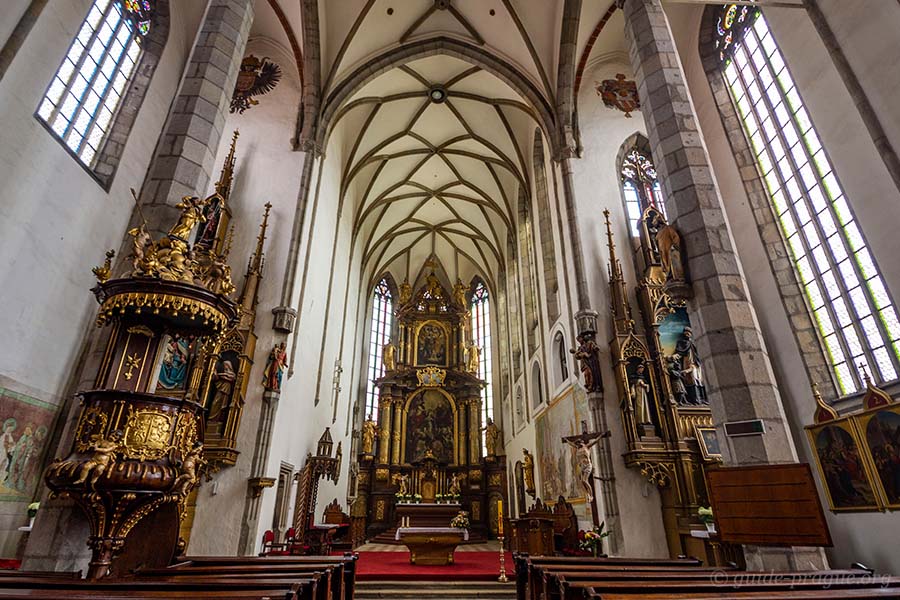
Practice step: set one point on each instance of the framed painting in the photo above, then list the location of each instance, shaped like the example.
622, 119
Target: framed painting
842, 467
431, 344
880, 431
708, 440
25, 427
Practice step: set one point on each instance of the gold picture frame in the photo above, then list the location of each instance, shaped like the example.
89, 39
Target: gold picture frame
879, 432
708, 440
843, 466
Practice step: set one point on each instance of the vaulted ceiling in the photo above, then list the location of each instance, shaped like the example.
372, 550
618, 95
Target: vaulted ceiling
435, 146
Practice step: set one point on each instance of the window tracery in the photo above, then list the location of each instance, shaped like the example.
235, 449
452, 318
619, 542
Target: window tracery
852, 309
84, 94
641, 188
480, 308
379, 336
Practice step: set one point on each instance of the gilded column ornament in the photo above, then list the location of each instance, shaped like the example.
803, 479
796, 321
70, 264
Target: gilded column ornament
384, 443
395, 434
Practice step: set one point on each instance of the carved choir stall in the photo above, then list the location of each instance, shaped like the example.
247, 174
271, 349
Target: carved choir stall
172, 375
664, 410
425, 463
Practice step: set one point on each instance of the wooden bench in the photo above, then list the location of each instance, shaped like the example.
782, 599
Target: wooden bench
159, 587
529, 569
328, 577
639, 588
344, 574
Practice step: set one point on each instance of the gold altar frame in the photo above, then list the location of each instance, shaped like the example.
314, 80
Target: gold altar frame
447, 337
405, 414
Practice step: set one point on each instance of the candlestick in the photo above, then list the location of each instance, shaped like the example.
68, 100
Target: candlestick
502, 578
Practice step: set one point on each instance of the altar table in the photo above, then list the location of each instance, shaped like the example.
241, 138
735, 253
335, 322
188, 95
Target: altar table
431, 545
426, 515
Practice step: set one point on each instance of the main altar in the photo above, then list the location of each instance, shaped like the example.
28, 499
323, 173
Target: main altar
423, 460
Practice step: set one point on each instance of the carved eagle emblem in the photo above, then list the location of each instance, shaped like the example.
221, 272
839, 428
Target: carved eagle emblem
257, 77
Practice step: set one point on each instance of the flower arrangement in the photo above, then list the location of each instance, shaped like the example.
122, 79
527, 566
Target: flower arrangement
592, 540
705, 514
439, 498
418, 498
32, 509
403, 498
460, 521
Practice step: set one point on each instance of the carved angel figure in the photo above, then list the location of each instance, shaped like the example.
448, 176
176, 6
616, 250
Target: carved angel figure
101, 461
190, 474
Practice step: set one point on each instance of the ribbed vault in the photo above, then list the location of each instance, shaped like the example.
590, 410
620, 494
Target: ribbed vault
433, 163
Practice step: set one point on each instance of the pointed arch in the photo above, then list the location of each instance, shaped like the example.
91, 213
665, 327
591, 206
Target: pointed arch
381, 324
640, 186
482, 330
529, 277
548, 246
831, 286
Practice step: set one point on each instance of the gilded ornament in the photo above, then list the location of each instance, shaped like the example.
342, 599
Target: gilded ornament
431, 376
102, 273
189, 471
91, 426
147, 434
132, 362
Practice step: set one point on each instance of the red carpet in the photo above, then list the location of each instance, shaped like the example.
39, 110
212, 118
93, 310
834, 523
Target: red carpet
394, 566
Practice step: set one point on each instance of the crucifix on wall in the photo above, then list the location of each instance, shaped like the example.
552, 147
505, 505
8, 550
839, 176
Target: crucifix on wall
583, 444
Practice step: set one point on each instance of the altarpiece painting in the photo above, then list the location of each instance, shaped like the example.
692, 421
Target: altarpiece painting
25, 424
842, 466
430, 426
881, 434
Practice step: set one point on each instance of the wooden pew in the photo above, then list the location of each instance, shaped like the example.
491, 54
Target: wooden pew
345, 566
529, 568
569, 585
638, 588
42, 574
294, 588
328, 576
848, 594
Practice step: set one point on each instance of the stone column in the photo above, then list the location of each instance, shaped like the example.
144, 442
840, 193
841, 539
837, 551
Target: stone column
185, 154
739, 378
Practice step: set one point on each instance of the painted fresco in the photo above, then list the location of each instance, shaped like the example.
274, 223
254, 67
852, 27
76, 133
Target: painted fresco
429, 426
557, 463
25, 424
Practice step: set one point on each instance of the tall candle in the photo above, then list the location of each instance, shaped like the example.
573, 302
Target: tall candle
500, 517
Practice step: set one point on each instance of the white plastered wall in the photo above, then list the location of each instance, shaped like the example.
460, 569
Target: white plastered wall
56, 221
267, 169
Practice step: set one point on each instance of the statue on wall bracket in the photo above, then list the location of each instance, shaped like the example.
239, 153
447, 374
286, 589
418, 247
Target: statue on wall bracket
588, 354
275, 367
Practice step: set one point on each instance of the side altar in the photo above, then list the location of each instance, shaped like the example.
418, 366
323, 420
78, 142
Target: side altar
423, 459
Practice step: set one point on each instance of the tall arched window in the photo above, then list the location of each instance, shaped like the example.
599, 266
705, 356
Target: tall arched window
853, 311
379, 335
480, 307
86, 90
641, 188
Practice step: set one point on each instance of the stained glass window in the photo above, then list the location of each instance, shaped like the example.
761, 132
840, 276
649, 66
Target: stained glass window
379, 336
849, 301
480, 308
641, 188
731, 26
86, 90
